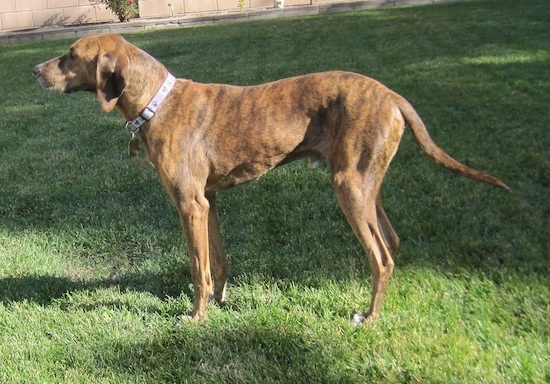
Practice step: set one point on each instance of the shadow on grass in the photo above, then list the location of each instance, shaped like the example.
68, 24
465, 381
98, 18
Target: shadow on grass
245, 351
45, 289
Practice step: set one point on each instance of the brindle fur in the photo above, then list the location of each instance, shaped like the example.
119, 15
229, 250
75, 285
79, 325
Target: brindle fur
209, 137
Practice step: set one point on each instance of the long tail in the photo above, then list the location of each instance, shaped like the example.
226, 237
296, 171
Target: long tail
441, 157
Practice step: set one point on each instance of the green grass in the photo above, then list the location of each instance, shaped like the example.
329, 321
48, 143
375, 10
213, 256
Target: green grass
94, 272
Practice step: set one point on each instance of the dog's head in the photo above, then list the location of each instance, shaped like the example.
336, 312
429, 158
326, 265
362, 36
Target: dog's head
96, 64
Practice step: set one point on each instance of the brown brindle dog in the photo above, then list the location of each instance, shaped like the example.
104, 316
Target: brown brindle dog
203, 138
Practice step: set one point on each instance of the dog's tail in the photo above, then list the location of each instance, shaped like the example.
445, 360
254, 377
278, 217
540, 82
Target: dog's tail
441, 157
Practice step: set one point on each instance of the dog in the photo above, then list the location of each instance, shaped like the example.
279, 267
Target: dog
203, 138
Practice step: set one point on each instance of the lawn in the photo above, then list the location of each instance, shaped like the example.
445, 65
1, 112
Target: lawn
94, 272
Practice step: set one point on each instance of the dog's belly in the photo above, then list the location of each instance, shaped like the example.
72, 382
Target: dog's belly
242, 173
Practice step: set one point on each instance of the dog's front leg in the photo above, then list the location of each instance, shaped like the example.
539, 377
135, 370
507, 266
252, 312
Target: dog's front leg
194, 220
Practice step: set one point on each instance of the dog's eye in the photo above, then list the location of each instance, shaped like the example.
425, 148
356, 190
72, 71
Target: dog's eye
72, 55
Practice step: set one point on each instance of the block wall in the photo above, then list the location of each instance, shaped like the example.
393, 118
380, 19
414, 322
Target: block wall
30, 14
26, 14
167, 8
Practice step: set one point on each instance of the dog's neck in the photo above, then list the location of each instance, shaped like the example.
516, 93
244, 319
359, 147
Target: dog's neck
138, 94
156, 101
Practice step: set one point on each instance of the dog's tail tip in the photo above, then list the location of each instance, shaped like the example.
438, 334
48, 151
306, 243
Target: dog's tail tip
506, 188
485, 178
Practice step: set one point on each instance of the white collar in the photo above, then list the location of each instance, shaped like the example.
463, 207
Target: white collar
149, 111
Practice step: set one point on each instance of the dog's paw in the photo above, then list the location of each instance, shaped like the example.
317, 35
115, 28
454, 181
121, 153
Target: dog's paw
218, 297
192, 317
360, 319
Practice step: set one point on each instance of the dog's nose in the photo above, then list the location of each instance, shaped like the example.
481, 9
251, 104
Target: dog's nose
36, 70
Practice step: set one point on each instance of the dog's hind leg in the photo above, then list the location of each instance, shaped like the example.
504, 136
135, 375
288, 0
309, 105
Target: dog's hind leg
358, 166
386, 229
218, 259
358, 202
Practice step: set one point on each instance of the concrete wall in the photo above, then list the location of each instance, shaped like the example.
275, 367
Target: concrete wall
19, 15
29, 14
24, 14
160, 8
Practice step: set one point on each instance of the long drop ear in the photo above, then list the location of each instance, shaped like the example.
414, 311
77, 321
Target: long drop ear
112, 70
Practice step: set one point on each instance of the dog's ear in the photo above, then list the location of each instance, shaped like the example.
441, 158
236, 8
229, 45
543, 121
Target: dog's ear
111, 75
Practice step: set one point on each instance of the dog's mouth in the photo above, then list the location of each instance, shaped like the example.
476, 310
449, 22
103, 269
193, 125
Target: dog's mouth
43, 82
53, 82
53, 86
47, 84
